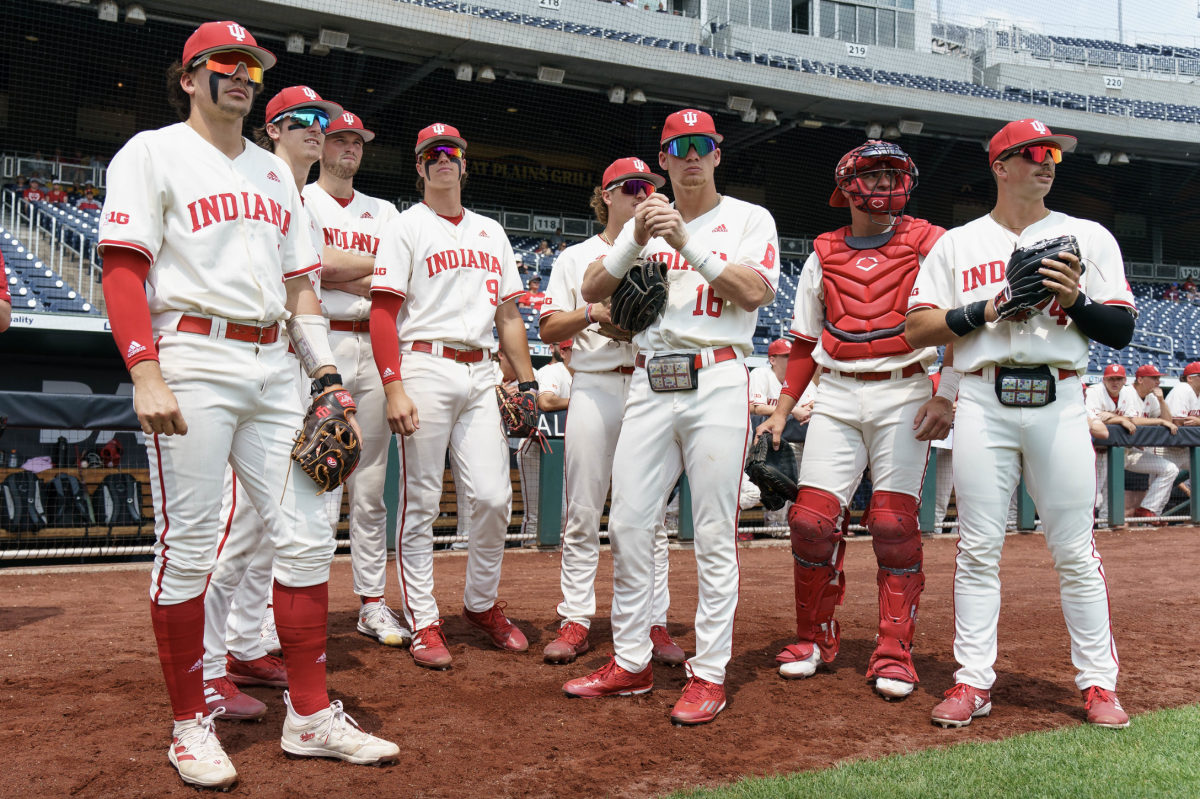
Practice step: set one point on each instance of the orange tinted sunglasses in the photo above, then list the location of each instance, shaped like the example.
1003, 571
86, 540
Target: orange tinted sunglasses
227, 62
1037, 153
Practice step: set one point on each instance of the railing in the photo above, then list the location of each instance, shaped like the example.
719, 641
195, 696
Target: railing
48, 170
25, 222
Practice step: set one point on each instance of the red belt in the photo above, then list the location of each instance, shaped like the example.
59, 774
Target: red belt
625, 370
723, 354
908, 371
458, 356
363, 326
1063, 374
203, 326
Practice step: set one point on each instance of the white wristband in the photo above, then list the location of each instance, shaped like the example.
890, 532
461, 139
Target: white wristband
625, 251
708, 264
310, 339
948, 385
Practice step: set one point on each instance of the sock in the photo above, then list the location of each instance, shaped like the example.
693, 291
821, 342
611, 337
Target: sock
301, 617
366, 600
179, 631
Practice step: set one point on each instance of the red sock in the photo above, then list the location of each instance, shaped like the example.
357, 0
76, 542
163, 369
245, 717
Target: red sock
179, 630
301, 618
366, 600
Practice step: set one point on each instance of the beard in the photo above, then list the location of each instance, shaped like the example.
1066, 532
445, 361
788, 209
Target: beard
693, 181
338, 170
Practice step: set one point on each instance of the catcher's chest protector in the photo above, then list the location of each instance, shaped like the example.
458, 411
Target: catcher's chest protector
867, 291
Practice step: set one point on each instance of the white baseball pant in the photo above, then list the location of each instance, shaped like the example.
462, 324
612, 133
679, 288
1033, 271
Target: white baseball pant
239, 400
464, 506
593, 426
1180, 456
1161, 470
456, 403
945, 485
707, 431
1056, 447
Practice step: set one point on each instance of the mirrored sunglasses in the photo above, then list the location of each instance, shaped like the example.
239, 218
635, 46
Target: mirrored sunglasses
227, 63
305, 117
633, 186
436, 152
679, 147
1037, 153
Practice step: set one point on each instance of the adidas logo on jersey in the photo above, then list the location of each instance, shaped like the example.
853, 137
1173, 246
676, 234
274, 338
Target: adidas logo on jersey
720, 228
274, 177
366, 215
134, 349
484, 234
388, 372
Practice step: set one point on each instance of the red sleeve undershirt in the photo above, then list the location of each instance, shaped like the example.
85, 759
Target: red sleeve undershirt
385, 346
800, 368
125, 272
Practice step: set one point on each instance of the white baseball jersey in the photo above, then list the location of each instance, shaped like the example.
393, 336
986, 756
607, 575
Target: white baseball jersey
808, 322
1182, 401
968, 264
765, 388
314, 236
593, 352
355, 228
696, 316
222, 235
555, 378
1127, 403
452, 277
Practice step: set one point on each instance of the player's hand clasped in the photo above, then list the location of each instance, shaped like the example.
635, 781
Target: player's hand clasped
662, 221
401, 410
1062, 277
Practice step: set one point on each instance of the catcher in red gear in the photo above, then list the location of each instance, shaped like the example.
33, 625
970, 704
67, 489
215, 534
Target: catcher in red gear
873, 407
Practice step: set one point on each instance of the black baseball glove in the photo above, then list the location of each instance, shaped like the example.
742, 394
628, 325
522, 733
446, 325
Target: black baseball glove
326, 447
773, 471
641, 296
518, 411
1024, 292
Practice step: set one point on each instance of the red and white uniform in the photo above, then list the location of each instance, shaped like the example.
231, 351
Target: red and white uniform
1148, 460
356, 226
1181, 403
1053, 441
451, 278
704, 431
603, 372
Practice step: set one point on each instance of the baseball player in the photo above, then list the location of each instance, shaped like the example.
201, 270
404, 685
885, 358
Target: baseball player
603, 369
203, 260
352, 224
235, 653
955, 300
766, 384
722, 255
534, 298
1183, 403
443, 276
1134, 406
874, 406
554, 386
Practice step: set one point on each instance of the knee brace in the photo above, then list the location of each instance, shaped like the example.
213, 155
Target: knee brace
891, 519
817, 552
813, 522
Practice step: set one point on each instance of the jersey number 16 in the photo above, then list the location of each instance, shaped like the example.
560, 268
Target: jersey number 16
712, 307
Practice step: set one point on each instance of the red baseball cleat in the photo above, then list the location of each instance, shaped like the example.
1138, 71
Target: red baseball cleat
1104, 709
666, 651
503, 632
267, 670
572, 641
221, 692
429, 647
962, 703
611, 680
701, 702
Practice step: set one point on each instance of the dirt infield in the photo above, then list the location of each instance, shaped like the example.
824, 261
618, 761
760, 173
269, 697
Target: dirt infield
83, 710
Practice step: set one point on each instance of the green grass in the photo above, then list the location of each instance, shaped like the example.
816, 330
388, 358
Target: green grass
1158, 755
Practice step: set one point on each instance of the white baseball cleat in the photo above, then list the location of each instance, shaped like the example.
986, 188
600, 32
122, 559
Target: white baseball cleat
377, 620
197, 754
333, 733
270, 636
893, 689
799, 669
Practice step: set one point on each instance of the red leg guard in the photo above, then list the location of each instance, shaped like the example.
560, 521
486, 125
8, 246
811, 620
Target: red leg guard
301, 619
817, 552
896, 537
179, 631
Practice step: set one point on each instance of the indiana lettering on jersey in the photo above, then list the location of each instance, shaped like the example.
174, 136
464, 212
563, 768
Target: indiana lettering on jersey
227, 207
674, 260
464, 259
982, 275
343, 240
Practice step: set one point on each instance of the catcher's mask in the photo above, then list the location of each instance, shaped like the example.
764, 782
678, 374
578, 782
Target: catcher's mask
874, 156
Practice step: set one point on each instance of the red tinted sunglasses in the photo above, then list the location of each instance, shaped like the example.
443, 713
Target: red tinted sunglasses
1037, 153
632, 187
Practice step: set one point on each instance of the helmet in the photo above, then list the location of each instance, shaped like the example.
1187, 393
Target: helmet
110, 454
874, 156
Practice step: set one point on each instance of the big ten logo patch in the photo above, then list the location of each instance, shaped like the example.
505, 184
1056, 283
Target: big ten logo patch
117, 218
982, 275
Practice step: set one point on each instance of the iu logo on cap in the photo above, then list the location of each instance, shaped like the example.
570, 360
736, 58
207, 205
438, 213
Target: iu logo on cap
691, 117
348, 118
639, 166
309, 93
1039, 127
237, 31
439, 129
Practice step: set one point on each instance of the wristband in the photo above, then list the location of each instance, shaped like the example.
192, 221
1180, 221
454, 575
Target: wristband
587, 313
962, 321
532, 385
703, 261
624, 252
948, 384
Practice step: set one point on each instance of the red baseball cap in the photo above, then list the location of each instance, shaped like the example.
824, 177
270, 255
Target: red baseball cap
1148, 370
1192, 368
780, 346
217, 37
629, 169
567, 345
347, 121
1026, 131
439, 132
687, 122
300, 97
1114, 370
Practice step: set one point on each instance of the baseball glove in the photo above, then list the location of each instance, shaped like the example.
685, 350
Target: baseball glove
518, 411
773, 471
1024, 292
326, 447
641, 296
609, 329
